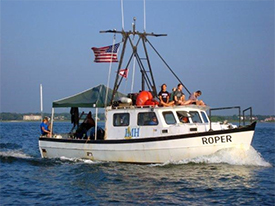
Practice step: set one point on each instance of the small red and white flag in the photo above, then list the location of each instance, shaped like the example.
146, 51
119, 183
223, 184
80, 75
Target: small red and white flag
106, 54
123, 73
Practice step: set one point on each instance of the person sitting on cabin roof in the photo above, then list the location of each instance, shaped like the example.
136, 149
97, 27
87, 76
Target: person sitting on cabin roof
172, 94
44, 127
194, 98
164, 97
179, 96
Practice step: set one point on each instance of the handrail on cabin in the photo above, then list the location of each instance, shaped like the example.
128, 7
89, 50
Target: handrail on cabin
250, 115
223, 108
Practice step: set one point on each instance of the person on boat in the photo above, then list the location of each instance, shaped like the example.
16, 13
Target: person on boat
153, 121
91, 133
172, 94
74, 116
164, 97
89, 121
184, 119
44, 127
194, 98
179, 96
85, 126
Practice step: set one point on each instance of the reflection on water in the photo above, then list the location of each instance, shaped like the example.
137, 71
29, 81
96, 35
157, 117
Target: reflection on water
200, 179
132, 183
170, 182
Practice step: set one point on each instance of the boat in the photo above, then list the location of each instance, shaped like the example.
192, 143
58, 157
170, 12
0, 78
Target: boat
128, 134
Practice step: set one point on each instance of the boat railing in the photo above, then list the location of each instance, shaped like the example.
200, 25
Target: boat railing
224, 108
250, 114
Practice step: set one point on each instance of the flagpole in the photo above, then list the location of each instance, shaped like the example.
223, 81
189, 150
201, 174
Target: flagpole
41, 101
110, 67
133, 75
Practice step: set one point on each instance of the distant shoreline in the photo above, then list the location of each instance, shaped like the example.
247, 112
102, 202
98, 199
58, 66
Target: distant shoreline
16, 121
30, 121
66, 117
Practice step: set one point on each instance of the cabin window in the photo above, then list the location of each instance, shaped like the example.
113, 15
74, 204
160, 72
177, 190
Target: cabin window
121, 119
204, 117
169, 117
147, 119
195, 117
183, 116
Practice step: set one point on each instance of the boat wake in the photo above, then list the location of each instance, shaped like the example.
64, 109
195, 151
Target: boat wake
231, 156
14, 154
76, 160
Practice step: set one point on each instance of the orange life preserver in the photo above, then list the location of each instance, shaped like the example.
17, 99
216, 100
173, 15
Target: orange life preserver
145, 98
142, 97
151, 102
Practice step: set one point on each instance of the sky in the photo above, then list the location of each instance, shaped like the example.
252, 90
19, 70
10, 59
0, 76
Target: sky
223, 48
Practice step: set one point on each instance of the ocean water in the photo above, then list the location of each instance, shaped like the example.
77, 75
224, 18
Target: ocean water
229, 177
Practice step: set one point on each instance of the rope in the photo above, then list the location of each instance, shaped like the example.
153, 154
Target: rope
168, 66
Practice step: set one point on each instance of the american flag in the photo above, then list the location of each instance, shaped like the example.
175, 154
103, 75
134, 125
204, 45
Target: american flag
106, 54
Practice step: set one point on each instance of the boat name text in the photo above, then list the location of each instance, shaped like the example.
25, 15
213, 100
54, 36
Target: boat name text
216, 139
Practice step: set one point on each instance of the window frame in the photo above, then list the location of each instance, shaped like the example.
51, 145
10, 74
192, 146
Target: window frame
170, 112
204, 117
116, 115
151, 114
197, 115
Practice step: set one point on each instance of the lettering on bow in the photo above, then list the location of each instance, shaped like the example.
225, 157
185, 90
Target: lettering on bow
216, 139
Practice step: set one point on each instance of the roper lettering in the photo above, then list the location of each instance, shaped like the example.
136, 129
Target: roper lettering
216, 139
204, 140
228, 138
210, 140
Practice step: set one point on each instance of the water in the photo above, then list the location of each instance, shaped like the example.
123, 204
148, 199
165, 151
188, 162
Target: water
229, 177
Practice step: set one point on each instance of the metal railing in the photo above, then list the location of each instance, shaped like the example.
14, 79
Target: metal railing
239, 110
250, 109
224, 108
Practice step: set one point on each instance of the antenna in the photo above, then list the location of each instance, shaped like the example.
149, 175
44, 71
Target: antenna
144, 17
122, 14
134, 25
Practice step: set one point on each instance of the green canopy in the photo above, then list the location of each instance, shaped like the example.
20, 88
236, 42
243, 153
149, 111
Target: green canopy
94, 97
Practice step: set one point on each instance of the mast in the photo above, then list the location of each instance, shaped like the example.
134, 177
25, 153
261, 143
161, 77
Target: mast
145, 69
147, 78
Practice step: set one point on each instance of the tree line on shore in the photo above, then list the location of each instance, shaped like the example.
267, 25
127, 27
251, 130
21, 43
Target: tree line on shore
8, 116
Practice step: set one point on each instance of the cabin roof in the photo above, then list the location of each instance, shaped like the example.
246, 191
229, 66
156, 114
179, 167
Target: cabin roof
93, 97
152, 108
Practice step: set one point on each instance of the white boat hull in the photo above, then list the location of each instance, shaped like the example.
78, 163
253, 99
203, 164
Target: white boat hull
148, 150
